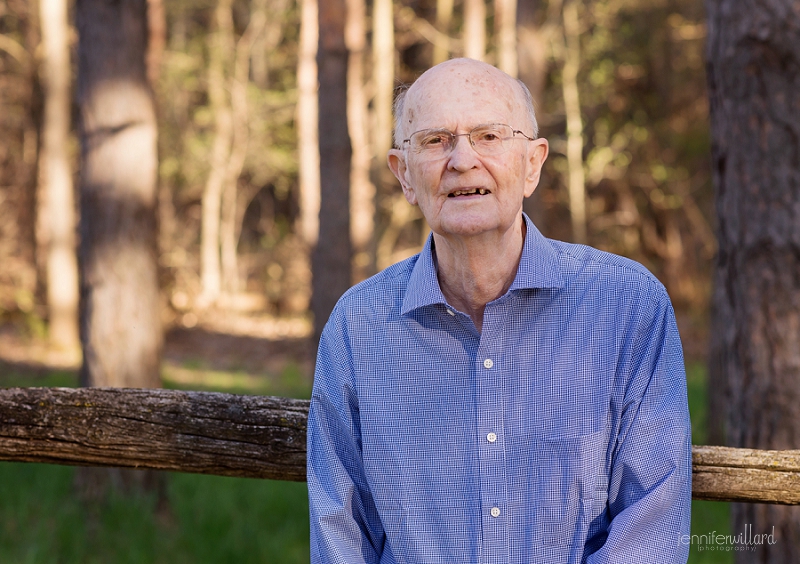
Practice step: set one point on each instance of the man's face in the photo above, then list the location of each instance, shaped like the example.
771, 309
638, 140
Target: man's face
458, 96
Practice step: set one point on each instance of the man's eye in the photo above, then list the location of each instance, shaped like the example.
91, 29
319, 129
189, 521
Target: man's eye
433, 140
490, 136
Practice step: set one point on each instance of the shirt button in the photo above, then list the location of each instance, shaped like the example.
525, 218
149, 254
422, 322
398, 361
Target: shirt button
495, 512
451, 312
488, 363
491, 437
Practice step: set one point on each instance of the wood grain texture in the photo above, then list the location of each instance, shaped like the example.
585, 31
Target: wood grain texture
203, 432
743, 474
265, 437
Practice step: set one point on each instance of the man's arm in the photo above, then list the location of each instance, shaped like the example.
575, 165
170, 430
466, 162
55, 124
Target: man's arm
345, 527
650, 481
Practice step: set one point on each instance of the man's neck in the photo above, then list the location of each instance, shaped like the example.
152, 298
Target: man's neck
477, 270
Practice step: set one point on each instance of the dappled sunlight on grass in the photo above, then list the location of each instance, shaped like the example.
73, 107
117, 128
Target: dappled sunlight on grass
289, 383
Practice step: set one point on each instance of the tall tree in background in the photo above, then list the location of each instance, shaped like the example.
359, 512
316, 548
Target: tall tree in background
362, 190
383, 58
228, 78
754, 88
221, 46
156, 39
57, 205
505, 33
532, 69
331, 257
475, 29
121, 329
576, 179
307, 122
444, 17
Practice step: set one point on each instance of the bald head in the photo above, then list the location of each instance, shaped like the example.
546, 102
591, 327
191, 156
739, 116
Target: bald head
437, 86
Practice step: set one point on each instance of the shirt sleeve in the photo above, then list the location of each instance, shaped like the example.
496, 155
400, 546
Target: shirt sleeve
649, 494
345, 527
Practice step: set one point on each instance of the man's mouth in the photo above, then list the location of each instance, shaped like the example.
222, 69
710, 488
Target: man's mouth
471, 192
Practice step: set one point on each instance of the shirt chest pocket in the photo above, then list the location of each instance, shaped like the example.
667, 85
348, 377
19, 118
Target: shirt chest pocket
569, 489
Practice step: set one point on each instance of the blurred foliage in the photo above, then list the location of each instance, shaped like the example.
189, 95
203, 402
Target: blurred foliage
647, 140
267, 182
646, 146
20, 109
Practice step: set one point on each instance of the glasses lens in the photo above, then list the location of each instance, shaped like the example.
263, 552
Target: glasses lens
432, 142
487, 140
491, 139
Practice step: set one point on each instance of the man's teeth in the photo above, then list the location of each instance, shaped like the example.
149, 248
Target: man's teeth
480, 191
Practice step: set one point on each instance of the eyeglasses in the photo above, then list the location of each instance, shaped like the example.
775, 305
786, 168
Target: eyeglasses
488, 140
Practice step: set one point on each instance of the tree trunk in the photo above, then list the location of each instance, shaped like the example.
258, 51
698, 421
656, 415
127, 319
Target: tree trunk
266, 43
532, 64
383, 71
120, 318
331, 258
230, 219
754, 89
308, 122
58, 206
362, 190
475, 29
572, 107
505, 25
259, 58
444, 17
383, 54
156, 39
220, 49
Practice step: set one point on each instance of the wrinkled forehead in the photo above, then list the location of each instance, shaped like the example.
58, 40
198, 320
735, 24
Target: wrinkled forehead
462, 95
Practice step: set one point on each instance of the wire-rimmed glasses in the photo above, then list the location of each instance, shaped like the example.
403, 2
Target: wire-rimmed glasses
488, 139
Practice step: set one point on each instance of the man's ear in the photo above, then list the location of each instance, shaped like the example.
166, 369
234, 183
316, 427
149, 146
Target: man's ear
397, 164
538, 149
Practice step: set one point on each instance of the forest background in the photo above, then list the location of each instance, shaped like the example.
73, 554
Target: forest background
620, 92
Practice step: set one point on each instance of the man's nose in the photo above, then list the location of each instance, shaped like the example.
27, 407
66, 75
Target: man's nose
462, 156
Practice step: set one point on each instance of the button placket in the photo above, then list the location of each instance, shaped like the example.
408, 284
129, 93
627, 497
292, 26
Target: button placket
490, 406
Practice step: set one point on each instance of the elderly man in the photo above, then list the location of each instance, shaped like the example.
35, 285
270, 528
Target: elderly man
500, 397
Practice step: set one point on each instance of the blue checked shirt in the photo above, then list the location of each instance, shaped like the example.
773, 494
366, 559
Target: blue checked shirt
560, 433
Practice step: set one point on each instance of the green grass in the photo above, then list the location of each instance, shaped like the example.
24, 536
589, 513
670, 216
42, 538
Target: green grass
211, 519
55, 379
289, 383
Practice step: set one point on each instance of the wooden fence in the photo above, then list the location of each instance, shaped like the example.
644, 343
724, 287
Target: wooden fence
265, 437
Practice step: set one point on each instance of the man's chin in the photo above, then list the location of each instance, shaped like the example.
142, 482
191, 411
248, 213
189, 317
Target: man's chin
473, 230
468, 227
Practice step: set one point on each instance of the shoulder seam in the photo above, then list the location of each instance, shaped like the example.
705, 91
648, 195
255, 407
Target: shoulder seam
381, 277
641, 270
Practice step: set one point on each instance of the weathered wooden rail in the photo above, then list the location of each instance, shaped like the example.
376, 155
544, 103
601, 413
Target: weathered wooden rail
265, 437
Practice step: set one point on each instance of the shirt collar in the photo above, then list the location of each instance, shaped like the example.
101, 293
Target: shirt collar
539, 265
538, 268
